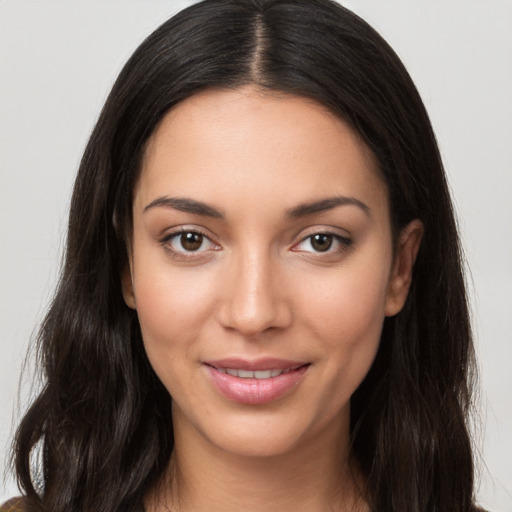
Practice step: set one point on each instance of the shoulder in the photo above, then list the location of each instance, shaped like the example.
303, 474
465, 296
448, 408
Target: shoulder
13, 505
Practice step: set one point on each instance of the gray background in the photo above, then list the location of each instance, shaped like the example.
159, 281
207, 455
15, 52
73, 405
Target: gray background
57, 62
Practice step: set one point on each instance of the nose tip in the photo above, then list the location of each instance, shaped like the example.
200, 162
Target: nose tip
255, 313
254, 301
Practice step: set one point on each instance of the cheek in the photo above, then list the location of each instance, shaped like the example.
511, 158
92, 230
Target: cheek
351, 307
172, 308
347, 314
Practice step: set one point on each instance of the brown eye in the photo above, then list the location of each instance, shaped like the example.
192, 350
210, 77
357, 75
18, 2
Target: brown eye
193, 244
321, 242
191, 241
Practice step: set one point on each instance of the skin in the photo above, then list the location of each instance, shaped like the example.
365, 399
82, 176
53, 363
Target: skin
258, 287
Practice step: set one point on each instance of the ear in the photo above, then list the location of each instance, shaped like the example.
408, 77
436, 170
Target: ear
127, 286
401, 273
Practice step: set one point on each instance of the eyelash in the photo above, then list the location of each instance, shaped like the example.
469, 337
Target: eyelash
343, 243
166, 242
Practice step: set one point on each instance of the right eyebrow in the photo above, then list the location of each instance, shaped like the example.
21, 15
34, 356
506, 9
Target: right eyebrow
185, 204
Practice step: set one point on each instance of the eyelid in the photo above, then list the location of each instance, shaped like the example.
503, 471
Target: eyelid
344, 241
169, 236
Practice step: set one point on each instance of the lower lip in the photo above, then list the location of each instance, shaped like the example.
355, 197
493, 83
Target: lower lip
255, 391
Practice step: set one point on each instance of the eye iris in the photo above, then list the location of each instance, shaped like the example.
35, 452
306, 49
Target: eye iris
191, 241
321, 243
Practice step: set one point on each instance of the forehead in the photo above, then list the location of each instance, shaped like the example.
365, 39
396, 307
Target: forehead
220, 145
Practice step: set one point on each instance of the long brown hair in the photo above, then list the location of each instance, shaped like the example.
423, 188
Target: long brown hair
100, 428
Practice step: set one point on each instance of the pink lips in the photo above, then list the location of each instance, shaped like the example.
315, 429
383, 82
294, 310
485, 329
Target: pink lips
252, 390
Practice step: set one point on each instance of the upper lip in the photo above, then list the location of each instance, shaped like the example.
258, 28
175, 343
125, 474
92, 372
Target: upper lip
267, 363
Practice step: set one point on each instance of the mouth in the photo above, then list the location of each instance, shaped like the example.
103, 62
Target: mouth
256, 374
255, 382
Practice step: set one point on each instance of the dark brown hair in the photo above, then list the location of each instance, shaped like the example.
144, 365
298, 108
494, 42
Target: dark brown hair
101, 425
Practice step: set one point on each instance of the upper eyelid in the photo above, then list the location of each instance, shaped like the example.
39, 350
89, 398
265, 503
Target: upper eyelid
306, 233
177, 230
326, 232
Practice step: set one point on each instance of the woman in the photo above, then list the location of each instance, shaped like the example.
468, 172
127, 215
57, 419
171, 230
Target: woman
261, 229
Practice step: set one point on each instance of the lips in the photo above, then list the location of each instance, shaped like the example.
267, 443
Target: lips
258, 374
255, 382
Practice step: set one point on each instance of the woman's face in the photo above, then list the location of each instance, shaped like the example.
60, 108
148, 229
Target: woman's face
261, 268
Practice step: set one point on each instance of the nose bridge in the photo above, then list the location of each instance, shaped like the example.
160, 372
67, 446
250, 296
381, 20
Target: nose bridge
253, 303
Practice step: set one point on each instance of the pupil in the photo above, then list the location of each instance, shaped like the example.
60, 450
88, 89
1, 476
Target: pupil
321, 243
191, 241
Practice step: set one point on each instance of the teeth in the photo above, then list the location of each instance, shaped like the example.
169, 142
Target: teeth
263, 374
248, 374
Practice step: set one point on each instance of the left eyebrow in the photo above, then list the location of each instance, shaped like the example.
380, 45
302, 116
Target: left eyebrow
323, 205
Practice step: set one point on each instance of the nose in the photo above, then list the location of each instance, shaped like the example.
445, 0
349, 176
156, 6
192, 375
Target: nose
254, 296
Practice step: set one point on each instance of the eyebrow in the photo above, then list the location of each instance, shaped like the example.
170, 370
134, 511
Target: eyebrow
187, 205
323, 205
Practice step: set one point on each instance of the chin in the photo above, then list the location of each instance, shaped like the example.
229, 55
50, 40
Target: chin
267, 432
258, 444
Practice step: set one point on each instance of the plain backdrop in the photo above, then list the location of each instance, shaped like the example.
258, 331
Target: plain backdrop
58, 60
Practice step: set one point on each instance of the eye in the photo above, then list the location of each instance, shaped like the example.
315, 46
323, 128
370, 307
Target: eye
187, 243
323, 243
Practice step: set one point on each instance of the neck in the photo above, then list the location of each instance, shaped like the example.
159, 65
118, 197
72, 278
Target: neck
315, 476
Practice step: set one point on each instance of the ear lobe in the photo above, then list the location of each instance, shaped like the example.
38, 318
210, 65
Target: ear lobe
401, 275
127, 287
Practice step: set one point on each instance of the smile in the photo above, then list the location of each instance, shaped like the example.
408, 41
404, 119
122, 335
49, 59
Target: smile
248, 374
255, 383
